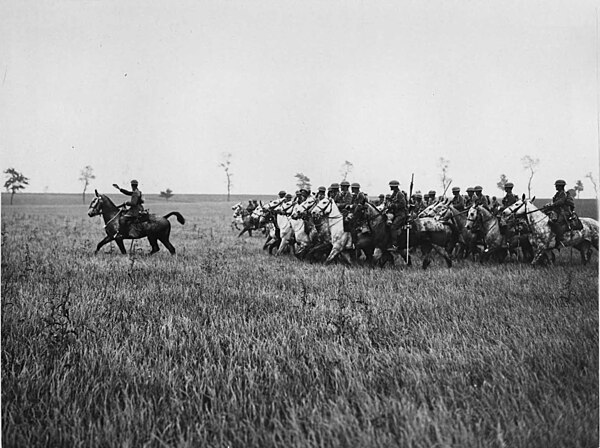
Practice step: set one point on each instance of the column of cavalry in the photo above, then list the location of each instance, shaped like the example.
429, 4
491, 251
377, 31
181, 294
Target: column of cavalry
341, 224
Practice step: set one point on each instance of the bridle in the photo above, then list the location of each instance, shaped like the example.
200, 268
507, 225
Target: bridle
480, 217
329, 206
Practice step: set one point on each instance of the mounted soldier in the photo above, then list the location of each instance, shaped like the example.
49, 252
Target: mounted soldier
458, 202
282, 194
510, 198
357, 202
494, 205
135, 210
469, 199
560, 209
345, 197
380, 200
418, 206
334, 191
430, 198
320, 193
480, 198
396, 211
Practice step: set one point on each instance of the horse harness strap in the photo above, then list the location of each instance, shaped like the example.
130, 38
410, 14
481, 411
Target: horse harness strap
113, 218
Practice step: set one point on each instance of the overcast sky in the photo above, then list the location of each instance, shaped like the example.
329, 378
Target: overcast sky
159, 90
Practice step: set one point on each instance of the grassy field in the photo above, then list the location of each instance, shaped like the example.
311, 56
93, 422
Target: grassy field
224, 345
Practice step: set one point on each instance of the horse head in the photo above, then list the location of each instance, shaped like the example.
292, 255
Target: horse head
323, 208
95, 207
514, 211
472, 216
301, 210
102, 204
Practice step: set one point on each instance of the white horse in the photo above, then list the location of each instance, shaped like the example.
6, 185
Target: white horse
237, 218
340, 239
283, 209
542, 237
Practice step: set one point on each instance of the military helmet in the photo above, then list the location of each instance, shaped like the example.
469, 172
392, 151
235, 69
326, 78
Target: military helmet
281, 193
323, 189
394, 183
134, 182
418, 196
508, 185
382, 195
478, 188
470, 190
431, 192
335, 186
288, 196
560, 182
344, 183
355, 185
303, 191
455, 189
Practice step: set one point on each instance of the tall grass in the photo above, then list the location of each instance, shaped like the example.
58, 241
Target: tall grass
224, 345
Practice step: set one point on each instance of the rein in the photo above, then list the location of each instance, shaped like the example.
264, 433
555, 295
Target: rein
113, 218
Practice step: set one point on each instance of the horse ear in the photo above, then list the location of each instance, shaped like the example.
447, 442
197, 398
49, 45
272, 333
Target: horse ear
96, 191
533, 199
523, 197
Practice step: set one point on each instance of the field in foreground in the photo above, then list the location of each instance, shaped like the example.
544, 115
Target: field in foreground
224, 345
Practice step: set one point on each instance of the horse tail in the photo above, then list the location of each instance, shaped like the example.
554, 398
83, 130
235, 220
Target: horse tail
180, 217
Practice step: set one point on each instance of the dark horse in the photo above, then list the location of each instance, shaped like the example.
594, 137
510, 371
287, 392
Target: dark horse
372, 233
155, 228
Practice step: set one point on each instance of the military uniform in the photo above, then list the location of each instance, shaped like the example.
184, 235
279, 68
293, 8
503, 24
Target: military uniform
458, 202
510, 198
344, 197
334, 191
562, 206
469, 198
135, 208
397, 204
480, 199
418, 206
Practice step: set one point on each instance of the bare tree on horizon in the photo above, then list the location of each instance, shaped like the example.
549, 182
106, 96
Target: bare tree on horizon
590, 176
346, 169
529, 163
86, 174
446, 180
226, 164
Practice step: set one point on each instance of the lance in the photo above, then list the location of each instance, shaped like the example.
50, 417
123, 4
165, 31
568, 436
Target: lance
412, 177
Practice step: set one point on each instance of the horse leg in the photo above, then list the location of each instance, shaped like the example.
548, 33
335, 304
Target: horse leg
153, 244
103, 242
119, 242
165, 240
444, 254
426, 251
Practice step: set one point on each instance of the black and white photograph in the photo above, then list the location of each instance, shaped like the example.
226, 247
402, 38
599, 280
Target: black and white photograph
282, 223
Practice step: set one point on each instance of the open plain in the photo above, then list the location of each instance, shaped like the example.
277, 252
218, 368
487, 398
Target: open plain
224, 345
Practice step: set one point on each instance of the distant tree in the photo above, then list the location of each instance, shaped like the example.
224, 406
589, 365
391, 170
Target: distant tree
226, 165
15, 182
593, 181
502, 182
444, 178
168, 193
578, 187
86, 175
346, 169
302, 181
529, 163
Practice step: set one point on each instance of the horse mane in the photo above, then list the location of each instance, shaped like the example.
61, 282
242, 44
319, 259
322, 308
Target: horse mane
108, 200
